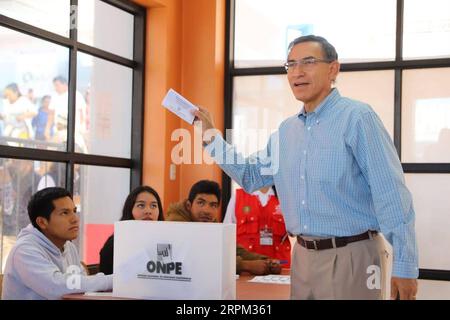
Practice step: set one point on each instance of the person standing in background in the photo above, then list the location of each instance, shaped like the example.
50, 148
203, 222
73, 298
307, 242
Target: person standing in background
17, 114
260, 224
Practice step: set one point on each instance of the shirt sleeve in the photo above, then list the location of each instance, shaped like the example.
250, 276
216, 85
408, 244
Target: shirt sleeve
379, 163
250, 173
43, 277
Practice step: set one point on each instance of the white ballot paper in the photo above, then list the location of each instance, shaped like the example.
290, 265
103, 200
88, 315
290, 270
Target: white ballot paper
179, 105
272, 278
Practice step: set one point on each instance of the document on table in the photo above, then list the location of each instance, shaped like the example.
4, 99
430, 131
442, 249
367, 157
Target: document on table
179, 105
272, 278
98, 294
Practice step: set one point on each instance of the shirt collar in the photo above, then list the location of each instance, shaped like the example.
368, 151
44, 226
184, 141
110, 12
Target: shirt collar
329, 101
260, 194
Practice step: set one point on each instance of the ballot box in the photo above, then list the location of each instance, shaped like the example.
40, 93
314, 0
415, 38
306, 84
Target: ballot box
174, 260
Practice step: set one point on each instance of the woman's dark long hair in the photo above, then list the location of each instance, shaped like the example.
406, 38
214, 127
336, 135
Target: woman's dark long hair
131, 199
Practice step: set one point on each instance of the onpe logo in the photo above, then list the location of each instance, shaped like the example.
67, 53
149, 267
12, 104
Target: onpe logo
164, 252
164, 263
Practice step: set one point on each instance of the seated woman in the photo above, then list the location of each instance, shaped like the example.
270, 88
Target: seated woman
143, 203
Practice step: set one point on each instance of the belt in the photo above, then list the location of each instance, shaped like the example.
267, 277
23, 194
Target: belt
336, 242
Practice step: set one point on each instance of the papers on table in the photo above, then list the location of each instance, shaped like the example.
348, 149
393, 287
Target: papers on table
98, 294
272, 278
179, 105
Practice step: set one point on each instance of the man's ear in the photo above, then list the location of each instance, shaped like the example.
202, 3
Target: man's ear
42, 223
188, 205
334, 70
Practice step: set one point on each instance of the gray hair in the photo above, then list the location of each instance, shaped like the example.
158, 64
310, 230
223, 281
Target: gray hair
327, 48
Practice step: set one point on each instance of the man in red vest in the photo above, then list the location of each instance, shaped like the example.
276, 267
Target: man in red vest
203, 205
260, 224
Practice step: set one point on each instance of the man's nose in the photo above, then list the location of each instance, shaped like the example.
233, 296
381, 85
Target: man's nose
75, 218
207, 211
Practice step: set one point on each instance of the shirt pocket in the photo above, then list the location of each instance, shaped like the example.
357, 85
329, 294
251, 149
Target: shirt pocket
247, 224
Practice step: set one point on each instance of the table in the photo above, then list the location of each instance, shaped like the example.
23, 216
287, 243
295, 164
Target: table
244, 291
261, 291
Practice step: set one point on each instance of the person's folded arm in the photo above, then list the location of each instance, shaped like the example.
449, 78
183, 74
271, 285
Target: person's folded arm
43, 277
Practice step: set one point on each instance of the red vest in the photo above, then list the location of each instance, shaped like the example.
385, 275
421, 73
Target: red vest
252, 217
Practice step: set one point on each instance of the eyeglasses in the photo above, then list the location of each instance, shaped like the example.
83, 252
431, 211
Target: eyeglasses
306, 63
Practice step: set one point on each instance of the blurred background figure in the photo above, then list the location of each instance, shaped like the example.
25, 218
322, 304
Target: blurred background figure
52, 174
17, 114
19, 182
41, 120
59, 106
31, 96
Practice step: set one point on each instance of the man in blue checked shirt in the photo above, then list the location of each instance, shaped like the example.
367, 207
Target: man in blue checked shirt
340, 184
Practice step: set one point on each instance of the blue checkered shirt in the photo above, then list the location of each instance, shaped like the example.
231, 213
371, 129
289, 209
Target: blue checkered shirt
337, 173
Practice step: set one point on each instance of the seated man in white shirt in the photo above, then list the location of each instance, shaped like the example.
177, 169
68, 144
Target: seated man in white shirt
44, 263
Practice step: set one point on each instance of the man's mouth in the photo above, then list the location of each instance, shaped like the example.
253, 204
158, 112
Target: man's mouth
300, 84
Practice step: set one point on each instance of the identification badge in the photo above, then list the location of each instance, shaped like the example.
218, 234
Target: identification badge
266, 237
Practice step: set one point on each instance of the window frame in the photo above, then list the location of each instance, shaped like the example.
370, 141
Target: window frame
137, 64
398, 65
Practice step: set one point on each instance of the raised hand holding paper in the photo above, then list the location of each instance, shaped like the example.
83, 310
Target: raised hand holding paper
179, 105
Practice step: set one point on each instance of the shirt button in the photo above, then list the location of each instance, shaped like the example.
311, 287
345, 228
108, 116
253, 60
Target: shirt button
305, 227
302, 177
317, 122
303, 202
304, 151
309, 128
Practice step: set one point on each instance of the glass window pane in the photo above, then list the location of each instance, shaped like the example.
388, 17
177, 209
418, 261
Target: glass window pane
426, 29
37, 13
359, 86
426, 115
260, 104
28, 66
19, 179
100, 207
95, 27
264, 28
104, 90
432, 219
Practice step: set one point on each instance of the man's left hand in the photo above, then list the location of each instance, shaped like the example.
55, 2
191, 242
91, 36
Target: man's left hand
406, 288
